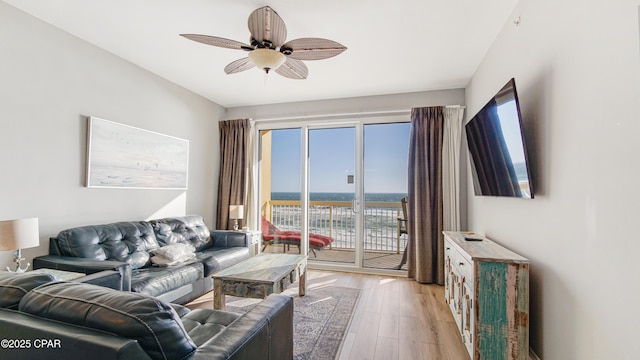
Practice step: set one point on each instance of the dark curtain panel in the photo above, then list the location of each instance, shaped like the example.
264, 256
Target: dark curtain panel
424, 205
234, 144
489, 152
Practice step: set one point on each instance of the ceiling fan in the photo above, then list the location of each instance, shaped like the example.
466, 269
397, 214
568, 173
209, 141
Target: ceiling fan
268, 49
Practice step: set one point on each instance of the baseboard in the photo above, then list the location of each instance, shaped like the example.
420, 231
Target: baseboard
532, 355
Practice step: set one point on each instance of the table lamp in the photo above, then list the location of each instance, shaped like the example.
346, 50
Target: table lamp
17, 235
236, 212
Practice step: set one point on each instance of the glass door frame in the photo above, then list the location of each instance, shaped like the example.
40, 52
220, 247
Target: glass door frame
358, 193
327, 122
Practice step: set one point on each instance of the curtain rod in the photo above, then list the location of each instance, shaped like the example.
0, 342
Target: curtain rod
349, 115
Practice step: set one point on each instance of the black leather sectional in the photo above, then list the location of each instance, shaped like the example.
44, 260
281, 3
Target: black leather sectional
127, 247
44, 319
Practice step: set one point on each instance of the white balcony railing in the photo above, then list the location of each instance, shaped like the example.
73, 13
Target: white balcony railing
337, 220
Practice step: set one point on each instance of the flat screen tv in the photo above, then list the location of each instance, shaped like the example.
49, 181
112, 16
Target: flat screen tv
497, 149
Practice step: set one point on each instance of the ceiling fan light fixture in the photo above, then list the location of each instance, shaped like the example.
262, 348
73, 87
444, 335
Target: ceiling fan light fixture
269, 50
267, 59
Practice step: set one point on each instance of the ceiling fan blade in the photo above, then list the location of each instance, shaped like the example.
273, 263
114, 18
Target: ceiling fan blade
217, 41
266, 25
239, 65
313, 48
293, 69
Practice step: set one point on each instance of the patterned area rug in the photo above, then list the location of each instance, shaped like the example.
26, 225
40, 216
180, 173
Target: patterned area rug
321, 319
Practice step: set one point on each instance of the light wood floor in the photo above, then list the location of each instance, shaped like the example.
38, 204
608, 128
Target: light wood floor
396, 318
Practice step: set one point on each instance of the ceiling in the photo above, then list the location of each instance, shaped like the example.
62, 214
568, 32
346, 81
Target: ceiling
393, 46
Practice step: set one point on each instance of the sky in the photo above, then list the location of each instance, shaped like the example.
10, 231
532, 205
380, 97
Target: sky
332, 159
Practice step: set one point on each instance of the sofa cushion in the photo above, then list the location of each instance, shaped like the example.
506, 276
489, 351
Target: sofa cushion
204, 324
263, 332
215, 260
187, 229
14, 286
123, 241
230, 238
153, 323
155, 281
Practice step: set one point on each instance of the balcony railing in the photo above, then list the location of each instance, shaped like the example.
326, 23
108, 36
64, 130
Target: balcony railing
337, 220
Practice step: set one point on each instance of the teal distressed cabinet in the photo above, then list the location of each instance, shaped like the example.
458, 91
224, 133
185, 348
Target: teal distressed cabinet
487, 289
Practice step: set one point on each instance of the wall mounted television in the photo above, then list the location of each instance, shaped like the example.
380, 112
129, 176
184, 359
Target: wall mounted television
497, 149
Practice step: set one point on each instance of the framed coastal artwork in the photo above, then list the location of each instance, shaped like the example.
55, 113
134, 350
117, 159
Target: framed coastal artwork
122, 156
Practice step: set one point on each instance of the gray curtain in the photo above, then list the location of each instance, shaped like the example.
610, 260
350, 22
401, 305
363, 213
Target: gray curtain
424, 204
234, 146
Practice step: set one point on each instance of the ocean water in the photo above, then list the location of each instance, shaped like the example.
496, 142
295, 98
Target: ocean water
334, 196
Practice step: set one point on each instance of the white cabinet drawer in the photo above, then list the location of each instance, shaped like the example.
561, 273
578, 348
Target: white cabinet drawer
460, 264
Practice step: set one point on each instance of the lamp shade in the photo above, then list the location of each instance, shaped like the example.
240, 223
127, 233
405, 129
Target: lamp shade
236, 212
19, 234
267, 59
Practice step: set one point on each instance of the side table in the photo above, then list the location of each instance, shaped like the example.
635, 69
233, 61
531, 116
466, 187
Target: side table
254, 236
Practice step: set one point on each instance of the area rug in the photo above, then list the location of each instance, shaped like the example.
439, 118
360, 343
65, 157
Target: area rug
321, 319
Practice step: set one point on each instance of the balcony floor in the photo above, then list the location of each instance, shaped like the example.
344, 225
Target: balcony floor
372, 259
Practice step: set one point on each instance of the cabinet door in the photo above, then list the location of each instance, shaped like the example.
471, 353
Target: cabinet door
467, 330
448, 280
456, 298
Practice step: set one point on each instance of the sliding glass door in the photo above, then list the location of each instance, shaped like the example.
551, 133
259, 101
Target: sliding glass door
280, 191
386, 151
334, 190
333, 197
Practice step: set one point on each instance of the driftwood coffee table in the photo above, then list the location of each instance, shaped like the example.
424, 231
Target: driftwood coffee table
258, 277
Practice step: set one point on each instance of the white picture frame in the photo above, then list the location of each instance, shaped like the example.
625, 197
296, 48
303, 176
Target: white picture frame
123, 156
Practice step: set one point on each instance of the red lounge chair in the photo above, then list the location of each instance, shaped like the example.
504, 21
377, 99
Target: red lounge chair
272, 236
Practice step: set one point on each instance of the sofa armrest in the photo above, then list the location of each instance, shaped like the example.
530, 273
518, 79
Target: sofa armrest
50, 339
230, 238
264, 332
85, 266
107, 278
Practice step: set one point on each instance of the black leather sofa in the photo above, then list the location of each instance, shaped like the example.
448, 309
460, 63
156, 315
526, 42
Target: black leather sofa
44, 319
127, 247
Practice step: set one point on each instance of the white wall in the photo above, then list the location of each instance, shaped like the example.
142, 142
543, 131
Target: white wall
50, 82
364, 104
577, 68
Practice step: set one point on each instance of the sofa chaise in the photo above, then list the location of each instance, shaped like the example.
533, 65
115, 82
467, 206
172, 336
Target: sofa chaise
44, 319
131, 247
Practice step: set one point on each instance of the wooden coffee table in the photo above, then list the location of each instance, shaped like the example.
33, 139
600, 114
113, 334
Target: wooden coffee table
258, 277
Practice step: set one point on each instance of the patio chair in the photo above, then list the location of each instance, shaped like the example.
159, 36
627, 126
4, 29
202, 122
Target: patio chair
402, 229
271, 235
